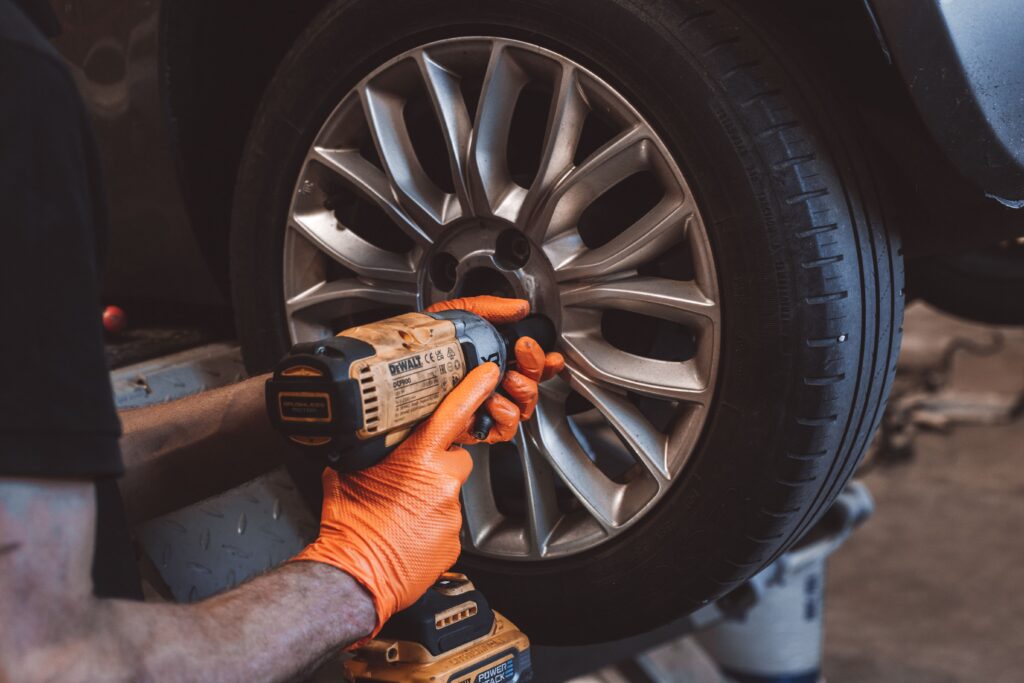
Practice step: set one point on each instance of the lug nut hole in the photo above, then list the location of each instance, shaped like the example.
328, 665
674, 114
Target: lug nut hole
442, 271
480, 281
512, 250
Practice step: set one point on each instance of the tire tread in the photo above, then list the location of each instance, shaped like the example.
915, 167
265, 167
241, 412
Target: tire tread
786, 141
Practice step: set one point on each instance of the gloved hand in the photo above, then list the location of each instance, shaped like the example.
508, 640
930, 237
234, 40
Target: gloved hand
532, 365
394, 527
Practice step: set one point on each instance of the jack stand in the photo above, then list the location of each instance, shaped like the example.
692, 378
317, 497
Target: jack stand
779, 636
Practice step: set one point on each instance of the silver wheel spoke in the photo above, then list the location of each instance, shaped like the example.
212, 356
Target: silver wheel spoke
593, 356
336, 294
596, 492
351, 250
634, 429
369, 181
680, 301
479, 510
452, 115
494, 193
703, 261
664, 225
541, 504
617, 160
424, 201
565, 123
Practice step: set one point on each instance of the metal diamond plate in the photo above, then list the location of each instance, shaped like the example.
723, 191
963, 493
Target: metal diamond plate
177, 375
218, 543
214, 545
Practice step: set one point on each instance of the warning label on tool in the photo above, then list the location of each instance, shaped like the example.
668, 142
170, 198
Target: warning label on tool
410, 388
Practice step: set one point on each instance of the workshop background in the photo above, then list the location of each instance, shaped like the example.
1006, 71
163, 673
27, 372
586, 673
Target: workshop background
255, 203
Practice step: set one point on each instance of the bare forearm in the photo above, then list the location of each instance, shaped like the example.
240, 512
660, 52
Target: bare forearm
270, 629
53, 629
181, 452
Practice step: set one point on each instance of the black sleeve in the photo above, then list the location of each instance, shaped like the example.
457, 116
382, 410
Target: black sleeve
57, 416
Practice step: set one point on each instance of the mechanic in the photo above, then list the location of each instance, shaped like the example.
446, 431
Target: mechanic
67, 572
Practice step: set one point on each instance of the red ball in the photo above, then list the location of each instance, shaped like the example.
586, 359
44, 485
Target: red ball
114, 319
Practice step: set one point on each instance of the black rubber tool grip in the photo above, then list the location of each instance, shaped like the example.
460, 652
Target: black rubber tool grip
536, 326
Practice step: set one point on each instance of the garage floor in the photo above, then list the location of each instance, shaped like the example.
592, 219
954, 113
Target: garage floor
929, 590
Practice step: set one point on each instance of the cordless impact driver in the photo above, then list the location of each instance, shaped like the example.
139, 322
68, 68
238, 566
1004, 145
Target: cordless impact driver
353, 398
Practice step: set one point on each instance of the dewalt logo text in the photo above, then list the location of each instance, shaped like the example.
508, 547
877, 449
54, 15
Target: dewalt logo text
405, 365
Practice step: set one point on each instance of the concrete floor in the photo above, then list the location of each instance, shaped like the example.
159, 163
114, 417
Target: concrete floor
931, 589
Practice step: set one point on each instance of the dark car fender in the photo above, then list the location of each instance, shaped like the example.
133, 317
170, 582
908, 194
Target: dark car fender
963, 63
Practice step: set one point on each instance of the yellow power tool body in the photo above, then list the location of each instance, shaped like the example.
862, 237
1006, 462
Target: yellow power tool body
352, 398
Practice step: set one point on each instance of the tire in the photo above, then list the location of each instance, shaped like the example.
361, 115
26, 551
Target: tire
810, 280
984, 285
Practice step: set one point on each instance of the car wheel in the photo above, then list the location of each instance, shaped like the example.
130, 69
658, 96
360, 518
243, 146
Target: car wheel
665, 186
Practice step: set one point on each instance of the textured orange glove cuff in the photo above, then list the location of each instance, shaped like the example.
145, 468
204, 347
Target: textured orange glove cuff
495, 309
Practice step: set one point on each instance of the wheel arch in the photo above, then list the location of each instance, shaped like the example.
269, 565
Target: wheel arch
927, 197
218, 57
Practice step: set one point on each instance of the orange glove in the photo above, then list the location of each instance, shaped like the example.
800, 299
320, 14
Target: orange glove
532, 365
394, 527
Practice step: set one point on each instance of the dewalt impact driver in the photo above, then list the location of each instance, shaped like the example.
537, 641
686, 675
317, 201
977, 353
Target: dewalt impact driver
351, 399
354, 397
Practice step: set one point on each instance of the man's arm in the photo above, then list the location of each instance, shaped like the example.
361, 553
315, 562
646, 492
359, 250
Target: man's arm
181, 452
52, 627
393, 526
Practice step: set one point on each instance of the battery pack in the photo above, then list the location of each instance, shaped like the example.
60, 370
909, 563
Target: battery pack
449, 635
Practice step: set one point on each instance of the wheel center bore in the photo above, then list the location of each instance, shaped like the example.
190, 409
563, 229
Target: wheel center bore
489, 257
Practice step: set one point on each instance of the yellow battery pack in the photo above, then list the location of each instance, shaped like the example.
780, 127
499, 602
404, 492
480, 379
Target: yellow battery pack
449, 635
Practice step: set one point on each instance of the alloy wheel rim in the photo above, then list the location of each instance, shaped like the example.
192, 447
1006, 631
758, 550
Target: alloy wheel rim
404, 198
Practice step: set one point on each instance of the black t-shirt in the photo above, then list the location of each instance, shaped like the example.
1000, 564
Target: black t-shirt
57, 415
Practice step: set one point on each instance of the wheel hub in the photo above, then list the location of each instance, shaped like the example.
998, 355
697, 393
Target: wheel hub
489, 256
